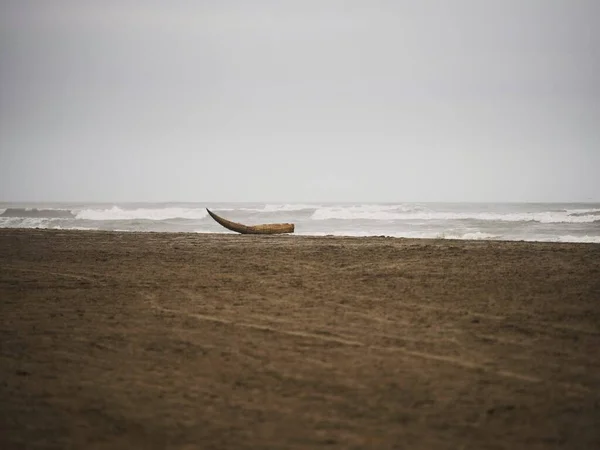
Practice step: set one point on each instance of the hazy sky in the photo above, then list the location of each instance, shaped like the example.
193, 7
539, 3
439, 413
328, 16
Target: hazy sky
300, 100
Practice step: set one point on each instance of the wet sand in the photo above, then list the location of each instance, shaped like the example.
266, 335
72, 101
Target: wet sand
147, 340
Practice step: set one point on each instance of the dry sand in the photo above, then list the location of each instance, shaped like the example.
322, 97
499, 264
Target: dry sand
146, 340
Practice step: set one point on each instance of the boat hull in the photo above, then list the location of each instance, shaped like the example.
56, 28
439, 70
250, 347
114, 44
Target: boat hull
270, 228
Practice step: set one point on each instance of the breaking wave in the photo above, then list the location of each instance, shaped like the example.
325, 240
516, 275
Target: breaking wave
38, 213
33, 222
117, 213
287, 208
469, 236
270, 207
568, 238
569, 222
375, 212
583, 212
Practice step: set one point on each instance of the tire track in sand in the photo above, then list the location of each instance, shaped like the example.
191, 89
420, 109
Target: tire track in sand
152, 300
499, 319
458, 362
57, 274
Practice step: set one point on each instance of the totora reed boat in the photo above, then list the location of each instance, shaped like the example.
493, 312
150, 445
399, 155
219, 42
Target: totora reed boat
269, 228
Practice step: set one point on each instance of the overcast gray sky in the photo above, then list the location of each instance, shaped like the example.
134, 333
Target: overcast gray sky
300, 100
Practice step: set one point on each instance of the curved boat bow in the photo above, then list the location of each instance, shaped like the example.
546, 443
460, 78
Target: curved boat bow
270, 228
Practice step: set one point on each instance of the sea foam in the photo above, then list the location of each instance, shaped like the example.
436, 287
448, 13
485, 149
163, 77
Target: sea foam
566, 222
117, 213
376, 212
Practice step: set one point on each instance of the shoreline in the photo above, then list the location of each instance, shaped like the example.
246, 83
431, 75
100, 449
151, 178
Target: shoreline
530, 222
291, 235
183, 340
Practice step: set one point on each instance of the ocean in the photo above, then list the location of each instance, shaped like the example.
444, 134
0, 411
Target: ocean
551, 222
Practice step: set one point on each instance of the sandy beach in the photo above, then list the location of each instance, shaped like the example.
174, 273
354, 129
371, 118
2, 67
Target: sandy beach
146, 340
